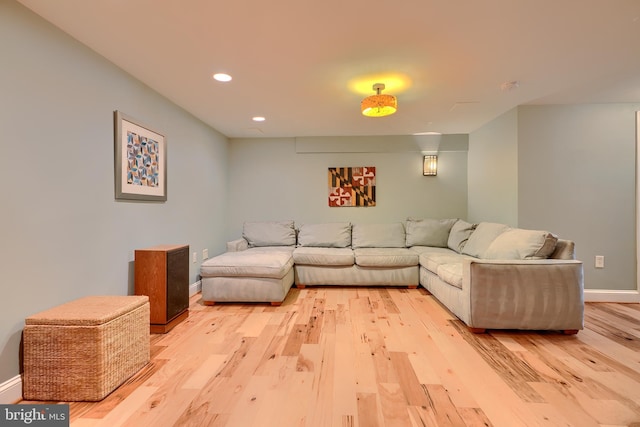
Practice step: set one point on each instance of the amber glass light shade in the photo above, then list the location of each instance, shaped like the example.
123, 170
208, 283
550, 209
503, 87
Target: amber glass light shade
379, 105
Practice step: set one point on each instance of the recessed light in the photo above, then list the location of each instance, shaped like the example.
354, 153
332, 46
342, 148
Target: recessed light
258, 119
222, 77
510, 86
427, 133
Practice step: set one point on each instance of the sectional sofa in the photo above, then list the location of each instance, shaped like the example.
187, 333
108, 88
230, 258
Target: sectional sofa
489, 275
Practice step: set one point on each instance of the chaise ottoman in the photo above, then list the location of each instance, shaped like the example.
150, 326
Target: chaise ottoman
85, 349
252, 275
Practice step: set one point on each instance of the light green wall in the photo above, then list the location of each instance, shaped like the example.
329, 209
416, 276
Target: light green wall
63, 234
577, 177
569, 169
270, 180
493, 171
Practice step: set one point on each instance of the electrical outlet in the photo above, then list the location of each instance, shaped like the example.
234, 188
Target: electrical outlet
205, 254
195, 257
599, 261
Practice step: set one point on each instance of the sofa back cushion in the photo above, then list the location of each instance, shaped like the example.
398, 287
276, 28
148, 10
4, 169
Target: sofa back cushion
269, 233
517, 243
484, 234
330, 235
459, 234
428, 232
390, 235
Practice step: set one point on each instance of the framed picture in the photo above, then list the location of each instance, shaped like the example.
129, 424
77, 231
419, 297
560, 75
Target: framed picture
352, 186
140, 160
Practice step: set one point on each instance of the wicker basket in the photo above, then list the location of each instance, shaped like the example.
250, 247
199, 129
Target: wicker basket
84, 349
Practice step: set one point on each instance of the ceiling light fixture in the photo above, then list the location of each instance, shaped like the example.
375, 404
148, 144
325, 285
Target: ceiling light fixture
221, 77
258, 119
379, 105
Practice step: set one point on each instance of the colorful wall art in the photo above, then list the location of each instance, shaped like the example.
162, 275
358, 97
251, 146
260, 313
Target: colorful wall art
140, 161
352, 186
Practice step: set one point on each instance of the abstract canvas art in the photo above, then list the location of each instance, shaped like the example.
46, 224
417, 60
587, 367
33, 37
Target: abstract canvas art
141, 161
352, 186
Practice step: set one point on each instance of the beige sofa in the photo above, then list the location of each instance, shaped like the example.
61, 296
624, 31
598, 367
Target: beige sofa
489, 275
495, 277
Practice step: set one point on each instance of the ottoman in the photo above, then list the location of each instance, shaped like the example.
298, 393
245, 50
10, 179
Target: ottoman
84, 349
252, 275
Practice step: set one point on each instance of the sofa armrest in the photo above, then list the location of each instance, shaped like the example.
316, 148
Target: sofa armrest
237, 245
533, 294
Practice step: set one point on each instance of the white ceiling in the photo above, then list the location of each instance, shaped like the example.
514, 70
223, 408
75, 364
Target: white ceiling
292, 60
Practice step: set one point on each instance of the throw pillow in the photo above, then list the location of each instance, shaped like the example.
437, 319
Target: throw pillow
459, 235
390, 235
428, 232
269, 233
481, 238
517, 243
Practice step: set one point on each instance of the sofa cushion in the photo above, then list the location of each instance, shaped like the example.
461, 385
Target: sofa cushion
385, 257
428, 232
481, 238
451, 273
430, 249
517, 243
269, 233
459, 234
390, 235
431, 261
330, 235
323, 256
248, 263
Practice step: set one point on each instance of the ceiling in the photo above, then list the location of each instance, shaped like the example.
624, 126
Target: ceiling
295, 61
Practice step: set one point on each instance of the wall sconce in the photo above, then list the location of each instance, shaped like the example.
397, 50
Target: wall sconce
430, 166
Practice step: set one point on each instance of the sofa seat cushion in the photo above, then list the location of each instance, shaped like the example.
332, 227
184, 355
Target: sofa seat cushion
249, 263
431, 250
432, 260
306, 255
385, 257
451, 273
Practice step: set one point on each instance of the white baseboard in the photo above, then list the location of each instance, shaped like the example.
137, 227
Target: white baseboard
194, 288
606, 295
11, 391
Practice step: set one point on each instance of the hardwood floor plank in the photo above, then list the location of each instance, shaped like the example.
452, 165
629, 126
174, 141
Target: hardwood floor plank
368, 410
209, 368
422, 320
474, 417
315, 322
445, 412
565, 404
393, 403
320, 411
515, 372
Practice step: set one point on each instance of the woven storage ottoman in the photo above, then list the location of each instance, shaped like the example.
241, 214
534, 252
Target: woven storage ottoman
84, 349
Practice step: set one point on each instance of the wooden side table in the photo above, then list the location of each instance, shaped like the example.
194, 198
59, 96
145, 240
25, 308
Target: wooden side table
162, 273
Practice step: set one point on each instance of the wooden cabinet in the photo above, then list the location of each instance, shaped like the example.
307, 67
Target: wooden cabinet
162, 273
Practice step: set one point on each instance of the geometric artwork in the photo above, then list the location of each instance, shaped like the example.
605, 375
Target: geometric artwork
353, 186
140, 161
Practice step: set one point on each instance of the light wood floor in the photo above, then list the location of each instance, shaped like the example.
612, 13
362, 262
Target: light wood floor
376, 357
